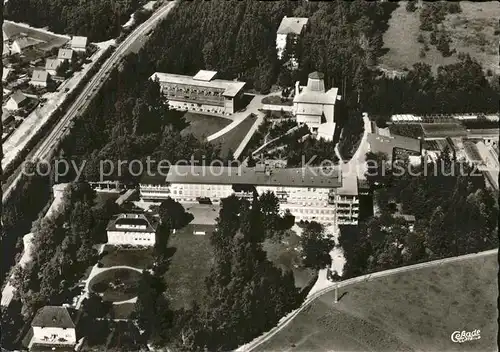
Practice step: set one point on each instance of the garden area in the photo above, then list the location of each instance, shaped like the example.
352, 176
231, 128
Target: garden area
407, 130
277, 100
201, 126
286, 256
140, 258
189, 265
443, 129
116, 285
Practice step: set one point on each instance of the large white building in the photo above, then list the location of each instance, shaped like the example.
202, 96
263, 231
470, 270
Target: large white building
131, 229
79, 43
322, 195
53, 329
201, 92
315, 107
289, 27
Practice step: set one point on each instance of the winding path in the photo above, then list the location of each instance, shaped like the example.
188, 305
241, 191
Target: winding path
287, 319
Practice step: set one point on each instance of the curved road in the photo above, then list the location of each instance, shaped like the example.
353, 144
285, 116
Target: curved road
50, 142
286, 320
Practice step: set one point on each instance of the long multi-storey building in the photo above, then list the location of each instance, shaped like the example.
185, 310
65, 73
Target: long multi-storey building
201, 92
312, 194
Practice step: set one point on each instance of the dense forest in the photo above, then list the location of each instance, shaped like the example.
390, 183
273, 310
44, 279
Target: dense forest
461, 87
98, 20
455, 214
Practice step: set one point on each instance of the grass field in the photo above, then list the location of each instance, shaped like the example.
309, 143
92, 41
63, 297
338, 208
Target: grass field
472, 31
137, 258
190, 263
284, 255
202, 126
232, 139
413, 311
443, 129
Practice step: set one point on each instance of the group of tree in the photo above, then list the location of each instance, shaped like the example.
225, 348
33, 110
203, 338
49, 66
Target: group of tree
460, 87
62, 249
97, 20
434, 13
455, 214
23, 206
244, 294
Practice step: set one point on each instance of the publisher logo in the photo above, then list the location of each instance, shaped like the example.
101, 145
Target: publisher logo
464, 336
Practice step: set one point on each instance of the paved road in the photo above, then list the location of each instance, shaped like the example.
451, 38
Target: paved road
248, 136
51, 141
286, 320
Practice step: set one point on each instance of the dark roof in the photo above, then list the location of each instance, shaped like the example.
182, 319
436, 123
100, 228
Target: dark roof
287, 177
53, 316
130, 219
18, 96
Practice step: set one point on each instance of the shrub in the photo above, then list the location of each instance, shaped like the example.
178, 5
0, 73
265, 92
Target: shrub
411, 6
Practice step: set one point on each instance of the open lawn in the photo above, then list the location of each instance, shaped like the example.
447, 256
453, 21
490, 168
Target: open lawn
412, 311
284, 255
232, 139
190, 263
116, 285
122, 311
140, 258
202, 126
472, 31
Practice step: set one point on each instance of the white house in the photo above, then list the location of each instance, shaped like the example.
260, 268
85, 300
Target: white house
131, 229
39, 78
289, 26
52, 328
51, 66
65, 54
79, 43
315, 107
16, 101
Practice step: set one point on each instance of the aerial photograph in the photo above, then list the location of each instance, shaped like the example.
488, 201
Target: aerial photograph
250, 176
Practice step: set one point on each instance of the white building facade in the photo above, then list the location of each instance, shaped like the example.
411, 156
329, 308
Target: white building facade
52, 327
309, 198
131, 229
200, 93
315, 107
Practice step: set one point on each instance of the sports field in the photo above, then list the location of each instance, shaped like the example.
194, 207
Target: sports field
412, 311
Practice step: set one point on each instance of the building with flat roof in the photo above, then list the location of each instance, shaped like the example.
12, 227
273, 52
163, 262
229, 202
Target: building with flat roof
315, 107
312, 194
79, 43
290, 27
201, 92
131, 229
